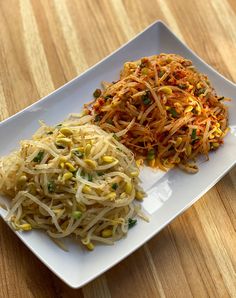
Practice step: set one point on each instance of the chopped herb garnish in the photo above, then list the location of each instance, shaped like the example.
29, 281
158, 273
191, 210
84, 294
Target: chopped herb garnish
173, 112
144, 62
116, 137
131, 222
107, 97
110, 121
77, 214
78, 153
97, 93
199, 91
142, 65
82, 174
59, 125
90, 177
114, 186
146, 98
194, 134
60, 147
74, 173
146, 101
151, 154
51, 186
100, 173
182, 86
221, 98
39, 156
161, 73
97, 118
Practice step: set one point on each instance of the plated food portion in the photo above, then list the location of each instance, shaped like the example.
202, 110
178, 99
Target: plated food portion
164, 110
80, 177
72, 179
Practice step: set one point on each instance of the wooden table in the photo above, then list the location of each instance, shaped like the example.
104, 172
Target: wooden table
46, 43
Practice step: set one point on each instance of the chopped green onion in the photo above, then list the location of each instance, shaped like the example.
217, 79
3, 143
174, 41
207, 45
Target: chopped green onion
39, 156
143, 64
90, 177
77, 214
161, 73
145, 98
182, 86
97, 118
97, 93
199, 91
100, 173
114, 186
107, 97
194, 134
110, 121
78, 153
151, 154
60, 147
115, 137
74, 173
131, 222
146, 101
51, 186
50, 133
173, 112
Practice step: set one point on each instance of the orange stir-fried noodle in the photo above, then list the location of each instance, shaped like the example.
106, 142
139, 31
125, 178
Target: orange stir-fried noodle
164, 110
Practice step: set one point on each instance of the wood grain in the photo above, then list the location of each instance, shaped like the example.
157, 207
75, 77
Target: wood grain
44, 44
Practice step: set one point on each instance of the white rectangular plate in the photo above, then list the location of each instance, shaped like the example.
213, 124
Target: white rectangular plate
168, 194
